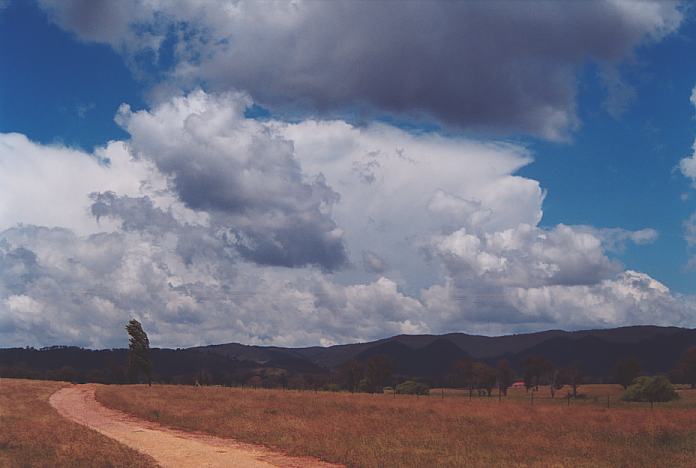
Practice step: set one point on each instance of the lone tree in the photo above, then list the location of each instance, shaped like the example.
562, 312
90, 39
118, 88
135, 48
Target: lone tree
138, 352
626, 371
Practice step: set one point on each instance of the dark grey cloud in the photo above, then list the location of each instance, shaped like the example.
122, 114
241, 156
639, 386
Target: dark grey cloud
134, 213
100, 20
502, 66
246, 178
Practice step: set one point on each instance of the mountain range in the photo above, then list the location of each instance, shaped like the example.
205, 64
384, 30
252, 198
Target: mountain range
429, 357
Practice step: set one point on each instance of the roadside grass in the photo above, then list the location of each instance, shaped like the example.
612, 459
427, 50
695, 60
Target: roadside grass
383, 430
32, 433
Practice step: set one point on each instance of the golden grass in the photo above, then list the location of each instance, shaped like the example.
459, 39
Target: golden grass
380, 430
32, 433
589, 395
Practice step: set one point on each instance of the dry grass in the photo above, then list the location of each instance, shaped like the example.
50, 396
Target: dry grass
380, 430
33, 434
589, 395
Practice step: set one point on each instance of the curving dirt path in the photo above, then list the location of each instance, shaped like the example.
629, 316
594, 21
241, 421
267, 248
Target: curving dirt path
169, 447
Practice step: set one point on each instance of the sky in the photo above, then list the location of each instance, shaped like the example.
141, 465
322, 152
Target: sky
313, 173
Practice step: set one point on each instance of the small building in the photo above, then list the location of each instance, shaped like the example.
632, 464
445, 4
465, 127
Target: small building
518, 384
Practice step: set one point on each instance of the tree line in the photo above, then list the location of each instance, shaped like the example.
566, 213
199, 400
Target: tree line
372, 375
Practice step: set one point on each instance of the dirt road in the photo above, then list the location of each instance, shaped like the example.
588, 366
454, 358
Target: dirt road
169, 447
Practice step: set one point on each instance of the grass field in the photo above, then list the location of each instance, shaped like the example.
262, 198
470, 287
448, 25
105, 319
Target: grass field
33, 434
382, 430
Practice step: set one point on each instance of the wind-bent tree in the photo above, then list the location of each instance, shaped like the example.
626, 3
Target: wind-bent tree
138, 352
626, 371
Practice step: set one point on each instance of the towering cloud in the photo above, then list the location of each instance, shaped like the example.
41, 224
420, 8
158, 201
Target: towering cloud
215, 227
247, 179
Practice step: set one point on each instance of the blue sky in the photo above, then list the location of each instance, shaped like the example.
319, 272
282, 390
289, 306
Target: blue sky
62, 81
48, 77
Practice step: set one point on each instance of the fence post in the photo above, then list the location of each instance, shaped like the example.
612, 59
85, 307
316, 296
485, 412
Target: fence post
532, 398
568, 396
443, 393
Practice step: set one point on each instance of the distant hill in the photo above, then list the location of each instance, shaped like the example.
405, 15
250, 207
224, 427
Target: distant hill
644, 340
419, 356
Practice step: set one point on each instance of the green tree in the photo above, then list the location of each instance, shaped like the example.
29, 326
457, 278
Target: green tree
138, 352
652, 389
687, 365
626, 371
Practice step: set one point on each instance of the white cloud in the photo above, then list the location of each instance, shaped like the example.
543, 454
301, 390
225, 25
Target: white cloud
419, 180
447, 231
50, 185
525, 256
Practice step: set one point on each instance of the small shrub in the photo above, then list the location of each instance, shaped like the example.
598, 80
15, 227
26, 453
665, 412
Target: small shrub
652, 389
411, 387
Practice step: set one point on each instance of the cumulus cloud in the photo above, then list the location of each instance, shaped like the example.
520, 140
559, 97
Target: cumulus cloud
415, 58
525, 256
626, 298
245, 177
423, 184
60, 199
62, 288
212, 227
616, 239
